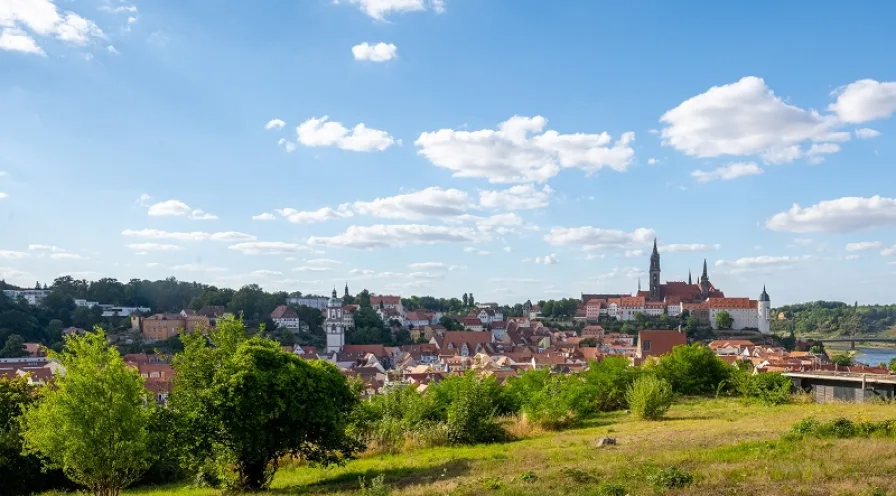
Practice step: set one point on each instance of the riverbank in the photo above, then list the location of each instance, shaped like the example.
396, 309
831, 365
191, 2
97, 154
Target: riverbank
705, 446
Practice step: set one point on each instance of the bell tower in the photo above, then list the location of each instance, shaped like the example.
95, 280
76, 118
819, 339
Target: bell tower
655, 273
334, 325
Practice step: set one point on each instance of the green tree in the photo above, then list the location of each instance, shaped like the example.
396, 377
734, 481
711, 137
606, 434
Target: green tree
93, 422
892, 366
451, 324
243, 404
649, 398
692, 369
14, 347
843, 359
465, 300
364, 299
724, 320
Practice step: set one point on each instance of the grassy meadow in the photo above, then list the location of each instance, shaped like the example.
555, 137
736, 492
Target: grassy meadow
705, 447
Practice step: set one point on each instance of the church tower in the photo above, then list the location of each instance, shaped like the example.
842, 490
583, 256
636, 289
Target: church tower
334, 325
655, 273
765, 312
346, 290
704, 282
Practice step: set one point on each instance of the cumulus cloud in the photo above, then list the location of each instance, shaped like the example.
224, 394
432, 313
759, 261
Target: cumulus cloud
323, 132
519, 152
839, 215
865, 100
274, 124
268, 248
384, 236
46, 248
593, 238
867, 133
319, 215
864, 245
263, 216
728, 172
519, 197
178, 208
633, 253
42, 18
476, 251
545, 260
154, 247
16, 40
652, 161
744, 118
187, 236
428, 266
429, 202
623, 273
749, 264
888, 251
380, 52
379, 9
67, 256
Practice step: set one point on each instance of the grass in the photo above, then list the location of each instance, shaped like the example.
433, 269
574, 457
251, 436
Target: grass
719, 447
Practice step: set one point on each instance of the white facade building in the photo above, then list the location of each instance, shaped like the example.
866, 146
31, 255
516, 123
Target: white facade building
32, 296
334, 325
318, 302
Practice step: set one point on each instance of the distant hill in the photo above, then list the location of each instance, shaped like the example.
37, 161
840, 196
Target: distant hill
834, 318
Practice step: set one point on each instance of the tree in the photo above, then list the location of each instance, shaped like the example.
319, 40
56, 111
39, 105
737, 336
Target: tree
465, 300
364, 299
244, 403
450, 324
14, 347
93, 423
843, 359
693, 369
724, 320
892, 366
471, 300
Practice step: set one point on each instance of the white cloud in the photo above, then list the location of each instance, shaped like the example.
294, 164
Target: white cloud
838, 215
728, 172
67, 256
379, 9
429, 202
152, 265
10, 274
153, 247
12, 255
263, 216
179, 209
748, 264
312, 268
323, 261
545, 260
268, 248
16, 40
432, 266
888, 251
382, 236
623, 273
143, 199
864, 245
119, 9
265, 273
499, 223
593, 237
511, 154
634, 253
476, 251
652, 161
867, 133
519, 197
319, 215
112, 50
323, 132
198, 268
744, 118
274, 124
46, 248
380, 52
865, 100
3, 195
187, 236
675, 248
507, 249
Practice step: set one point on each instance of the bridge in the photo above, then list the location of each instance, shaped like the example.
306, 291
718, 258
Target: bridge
852, 341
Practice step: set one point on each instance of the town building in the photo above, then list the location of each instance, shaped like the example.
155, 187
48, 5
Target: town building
334, 325
318, 302
32, 296
286, 317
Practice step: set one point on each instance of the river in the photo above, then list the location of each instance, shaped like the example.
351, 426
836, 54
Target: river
870, 356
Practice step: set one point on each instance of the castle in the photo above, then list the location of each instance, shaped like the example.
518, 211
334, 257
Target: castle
702, 300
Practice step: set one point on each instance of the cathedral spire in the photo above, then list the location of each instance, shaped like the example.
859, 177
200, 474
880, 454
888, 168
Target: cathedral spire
655, 273
705, 274
346, 288
334, 291
689, 278
639, 284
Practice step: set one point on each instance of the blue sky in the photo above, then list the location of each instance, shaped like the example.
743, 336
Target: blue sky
139, 139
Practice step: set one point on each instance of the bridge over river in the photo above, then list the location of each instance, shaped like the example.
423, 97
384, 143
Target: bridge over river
852, 341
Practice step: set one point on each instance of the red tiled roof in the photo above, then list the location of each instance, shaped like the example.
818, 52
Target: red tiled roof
378, 350
284, 312
732, 303
387, 300
661, 342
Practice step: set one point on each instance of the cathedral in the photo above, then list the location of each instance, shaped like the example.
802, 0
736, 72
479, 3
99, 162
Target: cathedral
676, 292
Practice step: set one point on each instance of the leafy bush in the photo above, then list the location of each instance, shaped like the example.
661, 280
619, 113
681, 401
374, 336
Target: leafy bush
649, 397
611, 378
671, 478
842, 428
610, 489
562, 401
769, 388
376, 487
692, 369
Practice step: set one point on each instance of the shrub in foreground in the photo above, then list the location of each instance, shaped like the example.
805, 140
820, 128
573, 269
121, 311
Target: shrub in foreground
693, 369
649, 397
842, 428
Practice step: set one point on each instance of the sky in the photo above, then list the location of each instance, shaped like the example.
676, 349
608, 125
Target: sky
516, 150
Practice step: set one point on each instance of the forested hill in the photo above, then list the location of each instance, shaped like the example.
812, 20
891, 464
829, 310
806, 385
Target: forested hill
834, 318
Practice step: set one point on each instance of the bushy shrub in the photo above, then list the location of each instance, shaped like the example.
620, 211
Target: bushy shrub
649, 397
470, 416
768, 388
611, 379
692, 369
671, 478
610, 489
842, 428
551, 401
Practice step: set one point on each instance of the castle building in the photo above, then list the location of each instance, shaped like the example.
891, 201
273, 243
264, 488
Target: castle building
702, 300
334, 324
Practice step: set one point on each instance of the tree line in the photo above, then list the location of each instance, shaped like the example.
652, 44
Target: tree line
833, 318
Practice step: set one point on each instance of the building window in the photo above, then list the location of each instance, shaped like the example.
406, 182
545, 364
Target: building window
645, 345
